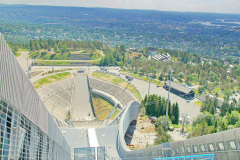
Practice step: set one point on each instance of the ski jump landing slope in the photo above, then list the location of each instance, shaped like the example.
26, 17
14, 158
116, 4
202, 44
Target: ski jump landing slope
81, 106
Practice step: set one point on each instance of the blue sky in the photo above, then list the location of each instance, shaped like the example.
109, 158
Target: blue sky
218, 6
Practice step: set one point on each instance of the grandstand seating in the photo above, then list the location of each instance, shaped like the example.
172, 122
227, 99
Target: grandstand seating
60, 112
57, 96
57, 99
122, 95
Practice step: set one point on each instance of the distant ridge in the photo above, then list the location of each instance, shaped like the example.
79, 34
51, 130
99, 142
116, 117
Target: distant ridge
145, 10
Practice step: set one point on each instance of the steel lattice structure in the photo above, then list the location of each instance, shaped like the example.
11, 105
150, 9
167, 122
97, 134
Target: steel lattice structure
28, 130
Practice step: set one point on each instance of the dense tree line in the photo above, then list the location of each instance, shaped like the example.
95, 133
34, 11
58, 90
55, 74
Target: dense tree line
114, 56
206, 123
63, 45
15, 46
212, 75
56, 45
156, 106
211, 104
209, 121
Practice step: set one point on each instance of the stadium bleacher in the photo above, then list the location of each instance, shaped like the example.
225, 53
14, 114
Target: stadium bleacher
122, 95
57, 98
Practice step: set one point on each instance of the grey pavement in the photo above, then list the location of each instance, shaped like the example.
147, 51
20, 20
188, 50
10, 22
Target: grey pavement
108, 137
76, 138
188, 108
22, 60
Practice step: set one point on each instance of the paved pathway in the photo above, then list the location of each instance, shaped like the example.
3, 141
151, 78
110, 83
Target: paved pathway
22, 60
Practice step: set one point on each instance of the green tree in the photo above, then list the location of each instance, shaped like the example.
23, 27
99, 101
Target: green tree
64, 48
161, 78
46, 45
52, 56
176, 114
32, 46
55, 48
200, 129
38, 47
161, 122
181, 75
233, 118
122, 49
162, 136
121, 64
224, 108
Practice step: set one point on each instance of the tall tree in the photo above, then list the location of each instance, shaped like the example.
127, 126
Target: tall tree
55, 48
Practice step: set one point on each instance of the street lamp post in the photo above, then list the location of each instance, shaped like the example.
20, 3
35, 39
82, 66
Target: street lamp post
169, 87
131, 68
28, 70
184, 121
149, 85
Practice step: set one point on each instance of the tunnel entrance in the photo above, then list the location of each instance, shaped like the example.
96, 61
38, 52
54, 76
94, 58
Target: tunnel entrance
130, 132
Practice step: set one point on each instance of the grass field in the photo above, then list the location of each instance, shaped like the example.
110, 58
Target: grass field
103, 107
115, 113
18, 54
64, 75
51, 79
132, 89
98, 74
107, 77
157, 82
56, 71
116, 80
199, 103
63, 62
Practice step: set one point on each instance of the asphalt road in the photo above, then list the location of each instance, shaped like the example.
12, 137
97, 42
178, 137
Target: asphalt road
22, 60
184, 107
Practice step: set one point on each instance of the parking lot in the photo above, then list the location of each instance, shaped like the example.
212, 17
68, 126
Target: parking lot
186, 107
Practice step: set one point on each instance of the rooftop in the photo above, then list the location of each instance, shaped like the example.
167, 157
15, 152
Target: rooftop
179, 87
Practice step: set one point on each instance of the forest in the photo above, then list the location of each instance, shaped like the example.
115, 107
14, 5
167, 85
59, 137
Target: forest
208, 121
212, 75
155, 105
180, 31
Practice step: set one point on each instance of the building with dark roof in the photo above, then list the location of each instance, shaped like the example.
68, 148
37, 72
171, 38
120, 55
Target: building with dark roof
179, 90
203, 97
